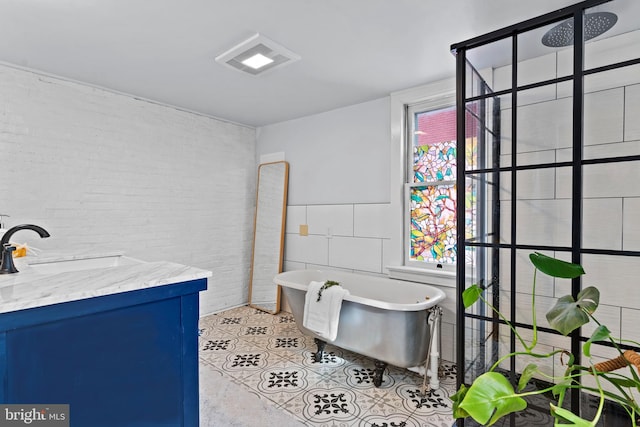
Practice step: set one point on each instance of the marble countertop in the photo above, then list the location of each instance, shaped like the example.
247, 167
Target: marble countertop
36, 287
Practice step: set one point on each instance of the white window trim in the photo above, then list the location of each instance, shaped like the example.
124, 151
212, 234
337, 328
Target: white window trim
438, 94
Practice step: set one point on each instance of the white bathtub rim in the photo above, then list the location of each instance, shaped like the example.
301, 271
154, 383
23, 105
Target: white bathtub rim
435, 295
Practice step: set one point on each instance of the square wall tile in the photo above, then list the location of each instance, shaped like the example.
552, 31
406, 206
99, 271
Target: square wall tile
372, 220
335, 220
306, 249
356, 253
296, 216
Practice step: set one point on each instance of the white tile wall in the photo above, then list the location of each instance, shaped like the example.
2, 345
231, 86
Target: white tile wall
306, 249
372, 220
524, 274
630, 224
536, 128
346, 236
615, 276
599, 231
356, 253
330, 220
629, 324
631, 113
296, 216
101, 170
539, 222
603, 116
611, 194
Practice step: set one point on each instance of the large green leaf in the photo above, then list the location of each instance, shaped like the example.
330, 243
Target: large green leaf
569, 314
491, 397
600, 334
555, 267
471, 295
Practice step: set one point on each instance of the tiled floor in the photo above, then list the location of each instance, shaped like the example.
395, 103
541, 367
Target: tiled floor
268, 356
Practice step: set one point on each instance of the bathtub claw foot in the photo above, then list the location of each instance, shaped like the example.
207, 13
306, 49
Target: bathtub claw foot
317, 356
378, 373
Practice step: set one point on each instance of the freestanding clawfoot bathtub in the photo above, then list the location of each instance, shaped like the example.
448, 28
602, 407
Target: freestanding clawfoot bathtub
385, 319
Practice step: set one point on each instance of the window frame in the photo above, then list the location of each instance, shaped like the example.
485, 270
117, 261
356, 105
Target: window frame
412, 111
432, 96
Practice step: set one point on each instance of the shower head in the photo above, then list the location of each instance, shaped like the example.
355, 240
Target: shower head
594, 24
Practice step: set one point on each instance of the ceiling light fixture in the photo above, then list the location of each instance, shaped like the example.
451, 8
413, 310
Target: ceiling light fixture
257, 61
257, 55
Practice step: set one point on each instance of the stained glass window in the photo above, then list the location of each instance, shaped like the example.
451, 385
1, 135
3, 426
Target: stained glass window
433, 223
432, 190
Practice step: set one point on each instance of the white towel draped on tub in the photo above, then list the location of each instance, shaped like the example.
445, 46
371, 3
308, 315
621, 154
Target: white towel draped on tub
322, 316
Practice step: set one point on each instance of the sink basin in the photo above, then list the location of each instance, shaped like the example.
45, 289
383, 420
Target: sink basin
78, 264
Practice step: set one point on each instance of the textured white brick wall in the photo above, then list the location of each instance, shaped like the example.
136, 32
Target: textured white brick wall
107, 171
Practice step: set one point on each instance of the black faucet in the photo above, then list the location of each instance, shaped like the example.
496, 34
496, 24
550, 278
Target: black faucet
6, 265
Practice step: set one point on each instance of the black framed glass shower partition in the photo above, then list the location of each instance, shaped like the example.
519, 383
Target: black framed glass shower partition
549, 151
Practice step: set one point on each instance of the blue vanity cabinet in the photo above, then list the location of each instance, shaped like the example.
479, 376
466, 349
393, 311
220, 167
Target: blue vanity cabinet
125, 360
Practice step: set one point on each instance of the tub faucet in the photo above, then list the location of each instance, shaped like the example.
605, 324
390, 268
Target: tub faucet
6, 265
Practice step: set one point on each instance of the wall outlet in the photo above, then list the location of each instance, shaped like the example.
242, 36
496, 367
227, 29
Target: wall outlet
304, 230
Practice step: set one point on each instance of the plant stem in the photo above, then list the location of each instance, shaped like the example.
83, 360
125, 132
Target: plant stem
533, 312
523, 353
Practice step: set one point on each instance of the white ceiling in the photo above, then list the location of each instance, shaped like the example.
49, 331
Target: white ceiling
163, 50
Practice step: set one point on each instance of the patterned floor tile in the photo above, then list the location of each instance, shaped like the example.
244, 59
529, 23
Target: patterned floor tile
388, 418
268, 356
334, 404
282, 382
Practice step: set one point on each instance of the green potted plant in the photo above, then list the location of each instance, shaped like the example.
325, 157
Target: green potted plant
491, 396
